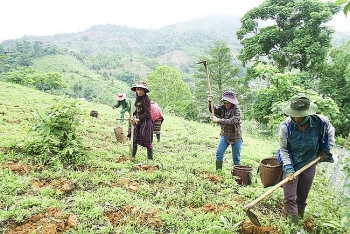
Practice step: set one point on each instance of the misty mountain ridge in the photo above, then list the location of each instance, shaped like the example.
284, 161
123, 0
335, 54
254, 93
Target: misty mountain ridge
141, 50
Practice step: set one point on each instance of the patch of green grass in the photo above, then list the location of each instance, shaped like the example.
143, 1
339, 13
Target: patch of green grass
179, 189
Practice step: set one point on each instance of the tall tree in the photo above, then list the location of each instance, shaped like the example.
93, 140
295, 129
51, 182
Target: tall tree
222, 73
169, 90
296, 36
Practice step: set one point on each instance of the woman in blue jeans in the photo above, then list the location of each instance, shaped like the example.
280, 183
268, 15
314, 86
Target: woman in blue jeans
228, 115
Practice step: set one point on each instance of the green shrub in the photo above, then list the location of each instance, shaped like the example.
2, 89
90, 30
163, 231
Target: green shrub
53, 136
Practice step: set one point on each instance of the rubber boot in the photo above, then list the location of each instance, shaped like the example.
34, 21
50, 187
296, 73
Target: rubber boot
293, 219
301, 212
219, 165
158, 137
150, 154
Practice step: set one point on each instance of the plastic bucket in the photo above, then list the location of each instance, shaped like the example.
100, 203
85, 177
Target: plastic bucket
270, 171
243, 174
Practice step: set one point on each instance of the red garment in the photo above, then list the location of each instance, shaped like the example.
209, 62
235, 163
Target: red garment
156, 112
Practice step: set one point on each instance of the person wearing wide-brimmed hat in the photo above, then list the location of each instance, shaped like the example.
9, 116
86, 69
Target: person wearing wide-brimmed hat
303, 136
143, 131
125, 103
228, 115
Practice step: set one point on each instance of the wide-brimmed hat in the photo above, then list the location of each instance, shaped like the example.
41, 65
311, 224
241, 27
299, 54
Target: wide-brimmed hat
300, 106
230, 97
121, 96
140, 84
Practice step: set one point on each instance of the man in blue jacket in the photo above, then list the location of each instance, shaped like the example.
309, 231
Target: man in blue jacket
303, 136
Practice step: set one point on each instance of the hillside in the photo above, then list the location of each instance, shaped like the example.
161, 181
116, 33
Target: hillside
178, 45
179, 192
107, 59
125, 53
76, 74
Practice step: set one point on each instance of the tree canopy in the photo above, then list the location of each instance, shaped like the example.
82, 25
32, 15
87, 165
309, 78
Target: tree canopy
288, 34
169, 90
346, 6
335, 83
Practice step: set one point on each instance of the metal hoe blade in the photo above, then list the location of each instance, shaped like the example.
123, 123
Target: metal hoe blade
251, 215
253, 218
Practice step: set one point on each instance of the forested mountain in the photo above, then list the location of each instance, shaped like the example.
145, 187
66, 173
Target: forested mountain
140, 51
106, 59
122, 54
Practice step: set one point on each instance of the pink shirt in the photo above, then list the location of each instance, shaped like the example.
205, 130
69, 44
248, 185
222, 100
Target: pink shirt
156, 112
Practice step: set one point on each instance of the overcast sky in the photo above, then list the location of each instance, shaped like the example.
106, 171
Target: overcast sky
49, 17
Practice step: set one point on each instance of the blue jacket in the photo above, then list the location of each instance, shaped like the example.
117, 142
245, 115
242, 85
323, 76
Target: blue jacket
326, 141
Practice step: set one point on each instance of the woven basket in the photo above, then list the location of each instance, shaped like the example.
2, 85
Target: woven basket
119, 134
270, 172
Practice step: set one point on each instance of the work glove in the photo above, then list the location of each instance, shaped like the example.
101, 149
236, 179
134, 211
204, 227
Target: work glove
325, 157
215, 119
210, 98
289, 170
290, 176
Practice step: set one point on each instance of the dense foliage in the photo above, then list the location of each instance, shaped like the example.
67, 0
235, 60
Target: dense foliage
335, 83
296, 43
53, 138
169, 90
267, 107
296, 39
40, 80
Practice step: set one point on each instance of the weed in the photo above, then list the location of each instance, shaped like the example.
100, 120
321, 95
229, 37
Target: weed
53, 138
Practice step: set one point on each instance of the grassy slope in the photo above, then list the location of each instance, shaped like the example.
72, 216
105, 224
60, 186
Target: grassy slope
179, 192
73, 71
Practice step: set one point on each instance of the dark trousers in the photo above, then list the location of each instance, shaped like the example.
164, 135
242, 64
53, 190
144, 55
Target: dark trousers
296, 192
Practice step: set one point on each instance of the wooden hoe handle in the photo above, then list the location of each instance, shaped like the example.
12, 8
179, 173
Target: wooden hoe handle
286, 180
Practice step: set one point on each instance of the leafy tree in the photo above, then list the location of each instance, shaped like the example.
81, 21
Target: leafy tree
222, 73
23, 53
296, 38
169, 90
38, 48
78, 88
89, 92
335, 83
346, 7
128, 77
267, 107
